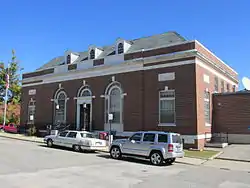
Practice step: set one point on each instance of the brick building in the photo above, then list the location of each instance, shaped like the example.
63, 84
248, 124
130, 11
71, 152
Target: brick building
161, 82
231, 122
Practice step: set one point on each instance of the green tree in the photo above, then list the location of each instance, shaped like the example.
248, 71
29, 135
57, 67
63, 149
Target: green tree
13, 70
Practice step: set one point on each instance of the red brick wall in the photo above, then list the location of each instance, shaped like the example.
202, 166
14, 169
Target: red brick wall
231, 113
184, 85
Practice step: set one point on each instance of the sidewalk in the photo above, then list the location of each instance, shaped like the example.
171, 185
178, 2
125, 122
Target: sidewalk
236, 152
21, 137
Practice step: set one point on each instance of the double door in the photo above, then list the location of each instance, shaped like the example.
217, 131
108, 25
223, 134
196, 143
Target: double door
85, 110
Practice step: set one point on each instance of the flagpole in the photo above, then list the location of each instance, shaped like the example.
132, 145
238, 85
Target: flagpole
6, 97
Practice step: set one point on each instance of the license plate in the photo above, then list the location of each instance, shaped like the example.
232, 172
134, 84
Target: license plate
98, 143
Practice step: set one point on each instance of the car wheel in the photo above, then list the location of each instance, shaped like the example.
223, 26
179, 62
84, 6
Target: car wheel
170, 161
115, 153
50, 143
156, 158
76, 148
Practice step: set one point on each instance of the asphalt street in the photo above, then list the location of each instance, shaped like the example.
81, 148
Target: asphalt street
31, 165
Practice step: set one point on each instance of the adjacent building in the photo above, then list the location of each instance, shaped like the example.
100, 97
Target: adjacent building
161, 82
231, 117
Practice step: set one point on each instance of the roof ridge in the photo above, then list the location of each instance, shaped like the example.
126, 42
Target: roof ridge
167, 32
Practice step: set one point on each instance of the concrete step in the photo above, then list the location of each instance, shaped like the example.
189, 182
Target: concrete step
216, 145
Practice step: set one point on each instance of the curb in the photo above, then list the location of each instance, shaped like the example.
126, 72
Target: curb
215, 156
189, 163
14, 138
237, 160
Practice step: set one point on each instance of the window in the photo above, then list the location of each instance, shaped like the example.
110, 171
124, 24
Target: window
72, 134
63, 134
120, 48
228, 88
216, 84
60, 107
233, 88
176, 139
222, 87
31, 111
136, 137
86, 135
167, 107
149, 137
68, 59
113, 103
163, 138
92, 54
207, 106
84, 91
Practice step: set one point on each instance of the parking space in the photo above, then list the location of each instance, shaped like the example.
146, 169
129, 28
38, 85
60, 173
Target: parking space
25, 164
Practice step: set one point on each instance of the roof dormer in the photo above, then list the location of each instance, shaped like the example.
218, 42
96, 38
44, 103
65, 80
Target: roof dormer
70, 57
122, 46
94, 52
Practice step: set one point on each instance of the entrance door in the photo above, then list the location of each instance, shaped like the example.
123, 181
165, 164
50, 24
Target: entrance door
85, 110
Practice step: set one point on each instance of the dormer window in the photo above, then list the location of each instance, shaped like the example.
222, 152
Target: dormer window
92, 54
120, 48
68, 59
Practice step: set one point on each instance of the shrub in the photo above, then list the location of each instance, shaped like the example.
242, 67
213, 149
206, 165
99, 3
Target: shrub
31, 131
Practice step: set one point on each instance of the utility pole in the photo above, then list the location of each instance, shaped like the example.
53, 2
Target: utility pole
6, 96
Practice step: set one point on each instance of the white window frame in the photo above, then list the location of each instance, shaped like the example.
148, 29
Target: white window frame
65, 105
207, 100
33, 107
167, 98
121, 102
120, 43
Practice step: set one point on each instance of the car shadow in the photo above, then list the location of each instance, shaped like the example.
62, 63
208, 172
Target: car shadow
66, 149
131, 160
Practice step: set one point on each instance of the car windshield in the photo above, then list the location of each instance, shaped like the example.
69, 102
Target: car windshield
176, 138
87, 135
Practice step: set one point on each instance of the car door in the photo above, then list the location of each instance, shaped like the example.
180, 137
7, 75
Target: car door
132, 145
59, 139
147, 142
70, 139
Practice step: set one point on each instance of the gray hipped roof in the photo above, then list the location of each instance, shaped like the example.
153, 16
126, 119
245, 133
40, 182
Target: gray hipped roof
150, 42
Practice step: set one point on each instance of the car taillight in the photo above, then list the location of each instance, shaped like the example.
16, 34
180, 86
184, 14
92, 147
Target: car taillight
170, 148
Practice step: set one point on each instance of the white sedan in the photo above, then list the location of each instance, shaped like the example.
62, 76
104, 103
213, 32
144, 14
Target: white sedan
78, 140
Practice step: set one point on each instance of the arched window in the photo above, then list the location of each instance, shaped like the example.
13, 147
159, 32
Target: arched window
92, 54
120, 48
84, 91
114, 103
68, 59
60, 107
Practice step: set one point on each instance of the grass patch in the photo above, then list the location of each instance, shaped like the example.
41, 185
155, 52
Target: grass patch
206, 154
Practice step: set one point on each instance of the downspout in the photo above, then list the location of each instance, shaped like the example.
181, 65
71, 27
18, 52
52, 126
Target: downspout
143, 92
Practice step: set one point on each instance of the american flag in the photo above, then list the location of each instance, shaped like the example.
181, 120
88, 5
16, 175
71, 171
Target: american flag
7, 81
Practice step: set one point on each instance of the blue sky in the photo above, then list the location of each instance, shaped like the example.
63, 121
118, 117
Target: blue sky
41, 30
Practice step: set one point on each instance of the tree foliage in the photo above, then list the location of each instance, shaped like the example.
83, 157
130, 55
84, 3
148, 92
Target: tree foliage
14, 92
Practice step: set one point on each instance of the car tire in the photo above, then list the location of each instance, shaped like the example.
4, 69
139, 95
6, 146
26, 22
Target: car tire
115, 152
170, 161
156, 158
76, 148
50, 143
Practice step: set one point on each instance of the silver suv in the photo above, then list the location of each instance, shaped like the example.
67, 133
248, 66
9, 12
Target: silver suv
153, 145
